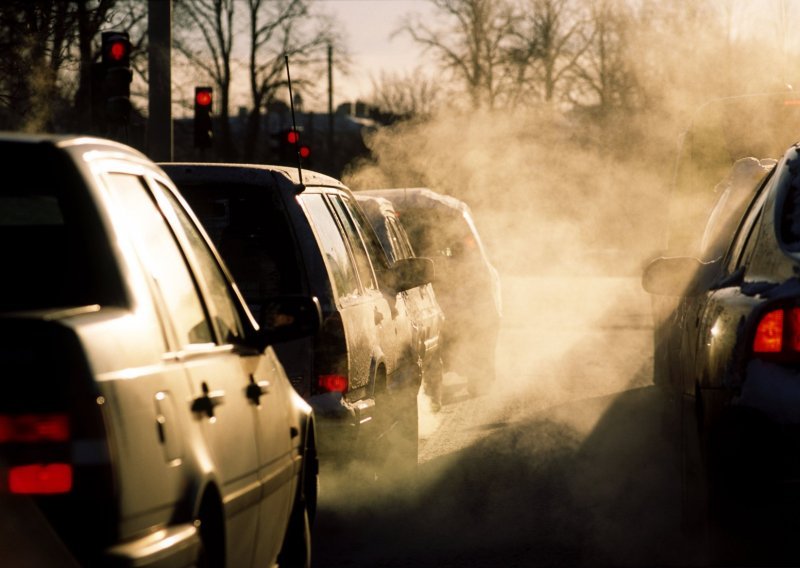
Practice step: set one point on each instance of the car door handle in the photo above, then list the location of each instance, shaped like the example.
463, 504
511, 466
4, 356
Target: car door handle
378, 316
256, 389
208, 401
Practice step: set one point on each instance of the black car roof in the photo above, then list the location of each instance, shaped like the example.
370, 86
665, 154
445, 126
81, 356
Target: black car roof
253, 173
419, 197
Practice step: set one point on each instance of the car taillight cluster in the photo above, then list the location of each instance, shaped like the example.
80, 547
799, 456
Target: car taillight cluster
333, 383
33, 436
778, 332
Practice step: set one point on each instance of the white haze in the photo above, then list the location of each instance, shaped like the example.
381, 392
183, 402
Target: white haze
568, 455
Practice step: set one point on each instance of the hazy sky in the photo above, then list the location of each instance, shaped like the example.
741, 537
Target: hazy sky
368, 26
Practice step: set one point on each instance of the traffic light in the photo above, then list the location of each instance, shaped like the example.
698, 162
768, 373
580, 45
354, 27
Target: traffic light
290, 147
116, 71
203, 100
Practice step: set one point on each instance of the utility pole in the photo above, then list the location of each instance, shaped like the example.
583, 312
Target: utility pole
159, 120
330, 107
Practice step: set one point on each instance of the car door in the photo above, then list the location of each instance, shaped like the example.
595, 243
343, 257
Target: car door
713, 317
199, 335
357, 310
422, 301
264, 390
390, 318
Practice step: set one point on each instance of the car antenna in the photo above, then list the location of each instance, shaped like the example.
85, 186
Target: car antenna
294, 125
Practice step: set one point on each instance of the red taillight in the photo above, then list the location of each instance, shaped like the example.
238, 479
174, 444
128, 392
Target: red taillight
794, 330
333, 383
769, 333
31, 428
40, 479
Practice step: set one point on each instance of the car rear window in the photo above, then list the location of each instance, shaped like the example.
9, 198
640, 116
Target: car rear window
433, 232
253, 235
53, 250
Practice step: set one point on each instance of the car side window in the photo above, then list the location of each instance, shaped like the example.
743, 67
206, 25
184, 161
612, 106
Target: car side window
332, 244
225, 313
360, 254
161, 257
399, 237
744, 240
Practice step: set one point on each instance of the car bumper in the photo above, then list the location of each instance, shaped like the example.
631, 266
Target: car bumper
340, 424
176, 546
756, 433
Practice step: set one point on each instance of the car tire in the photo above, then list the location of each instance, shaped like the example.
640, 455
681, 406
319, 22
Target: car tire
433, 383
296, 549
211, 531
395, 451
406, 442
482, 372
693, 472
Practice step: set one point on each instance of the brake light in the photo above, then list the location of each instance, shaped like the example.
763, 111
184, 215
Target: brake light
32, 428
333, 383
794, 329
769, 333
40, 479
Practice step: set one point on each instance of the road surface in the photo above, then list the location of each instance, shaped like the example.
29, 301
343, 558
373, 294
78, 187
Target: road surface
567, 462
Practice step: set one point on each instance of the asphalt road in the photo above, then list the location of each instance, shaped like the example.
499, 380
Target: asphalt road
568, 461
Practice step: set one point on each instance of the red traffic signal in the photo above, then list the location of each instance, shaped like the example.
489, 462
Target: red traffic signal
116, 49
203, 130
305, 151
292, 137
203, 97
115, 68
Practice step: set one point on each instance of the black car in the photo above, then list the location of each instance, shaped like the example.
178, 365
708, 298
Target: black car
442, 228
730, 346
425, 316
283, 235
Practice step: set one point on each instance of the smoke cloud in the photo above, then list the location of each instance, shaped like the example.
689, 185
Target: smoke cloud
571, 458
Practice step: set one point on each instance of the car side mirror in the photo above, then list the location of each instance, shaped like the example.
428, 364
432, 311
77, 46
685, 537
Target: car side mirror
679, 276
283, 318
407, 273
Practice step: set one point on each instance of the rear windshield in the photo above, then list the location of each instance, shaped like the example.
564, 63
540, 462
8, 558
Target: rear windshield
53, 252
253, 235
433, 232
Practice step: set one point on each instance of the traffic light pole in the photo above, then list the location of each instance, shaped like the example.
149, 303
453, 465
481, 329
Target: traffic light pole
159, 122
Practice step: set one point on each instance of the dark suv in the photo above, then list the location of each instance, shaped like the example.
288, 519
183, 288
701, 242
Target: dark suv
441, 227
282, 237
425, 316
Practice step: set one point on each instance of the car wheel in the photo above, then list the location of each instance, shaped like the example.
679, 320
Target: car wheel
694, 476
433, 383
296, 549
211, 530
482, 370
394, 452
406, 441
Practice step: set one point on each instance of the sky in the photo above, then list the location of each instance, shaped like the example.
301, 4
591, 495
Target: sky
367, 26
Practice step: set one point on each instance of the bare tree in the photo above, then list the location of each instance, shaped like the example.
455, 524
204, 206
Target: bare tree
279, 28
213, 22
604, 79
47, 48
472, 46
91, 17
549, 38
35, 38
411, 95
